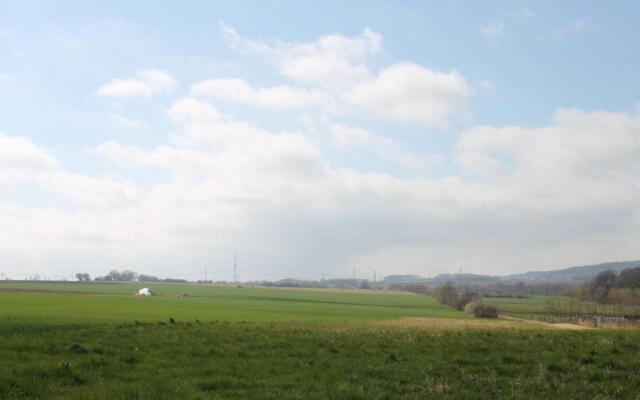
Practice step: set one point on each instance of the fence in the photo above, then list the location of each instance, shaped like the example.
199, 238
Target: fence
591, 320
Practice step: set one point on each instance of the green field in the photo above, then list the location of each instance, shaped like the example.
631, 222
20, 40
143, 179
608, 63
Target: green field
536, 306
526, 307
68, 303
98, 341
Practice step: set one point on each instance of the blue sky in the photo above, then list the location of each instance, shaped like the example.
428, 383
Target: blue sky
474, 125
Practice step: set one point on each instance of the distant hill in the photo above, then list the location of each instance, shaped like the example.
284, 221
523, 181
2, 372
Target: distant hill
571, 275
475, 278
403, 278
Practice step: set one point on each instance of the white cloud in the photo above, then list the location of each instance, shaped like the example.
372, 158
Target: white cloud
410, 92
192, 110
145, 83
277, 97
524, 197
577, 142
128, 123
346, 136
582, 161
332, 61
338, 67
18, 153
23, 163
476, 163
349, 138
564, 193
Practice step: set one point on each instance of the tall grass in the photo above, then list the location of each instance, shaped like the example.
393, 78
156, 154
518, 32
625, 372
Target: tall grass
293, 361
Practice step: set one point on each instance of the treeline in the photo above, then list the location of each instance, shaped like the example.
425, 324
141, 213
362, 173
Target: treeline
125, 276
412, 287
321, 284
516, 290
611, 288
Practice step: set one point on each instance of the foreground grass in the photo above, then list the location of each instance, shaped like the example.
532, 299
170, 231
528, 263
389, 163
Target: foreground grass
265, 360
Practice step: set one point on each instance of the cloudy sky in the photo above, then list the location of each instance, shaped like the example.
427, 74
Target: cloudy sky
407, 137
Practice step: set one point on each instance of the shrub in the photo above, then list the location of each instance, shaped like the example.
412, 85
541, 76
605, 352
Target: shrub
481, 310
466, 299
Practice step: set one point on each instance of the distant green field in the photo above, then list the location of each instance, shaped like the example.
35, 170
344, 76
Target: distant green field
533, 305
75, 303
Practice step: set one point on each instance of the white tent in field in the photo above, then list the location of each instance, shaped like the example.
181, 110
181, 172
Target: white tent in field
144, 292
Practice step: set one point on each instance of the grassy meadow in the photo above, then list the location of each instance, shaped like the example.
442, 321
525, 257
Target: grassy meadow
98, 341
526, 307
75, 303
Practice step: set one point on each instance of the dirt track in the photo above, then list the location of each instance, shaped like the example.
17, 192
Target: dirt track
571, 327
455, 324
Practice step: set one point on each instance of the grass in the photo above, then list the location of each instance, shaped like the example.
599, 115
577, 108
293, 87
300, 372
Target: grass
100, 342
529, 306
115, 303
264, 360
534, 307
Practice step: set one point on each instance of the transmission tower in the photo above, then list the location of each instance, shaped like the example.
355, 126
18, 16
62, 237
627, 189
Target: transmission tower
375, 271
355, 282
236, 276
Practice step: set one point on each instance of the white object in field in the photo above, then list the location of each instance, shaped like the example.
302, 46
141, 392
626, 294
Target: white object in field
144, 292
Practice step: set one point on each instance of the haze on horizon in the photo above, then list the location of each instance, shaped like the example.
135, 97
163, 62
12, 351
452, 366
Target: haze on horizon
313, 138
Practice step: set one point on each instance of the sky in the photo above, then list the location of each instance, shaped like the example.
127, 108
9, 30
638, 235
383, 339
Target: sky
314, 138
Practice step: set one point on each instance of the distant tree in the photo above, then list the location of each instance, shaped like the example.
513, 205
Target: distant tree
629, 278
127, 276
622, 296
447, 294
521, 289
598, 289
114, 275
83, 277
117, 276
148, 278
413, 288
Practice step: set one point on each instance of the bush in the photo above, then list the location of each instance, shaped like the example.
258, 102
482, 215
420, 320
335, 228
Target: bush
481, 310
466, 299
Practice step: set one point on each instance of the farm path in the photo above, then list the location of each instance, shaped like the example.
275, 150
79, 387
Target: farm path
573, 327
